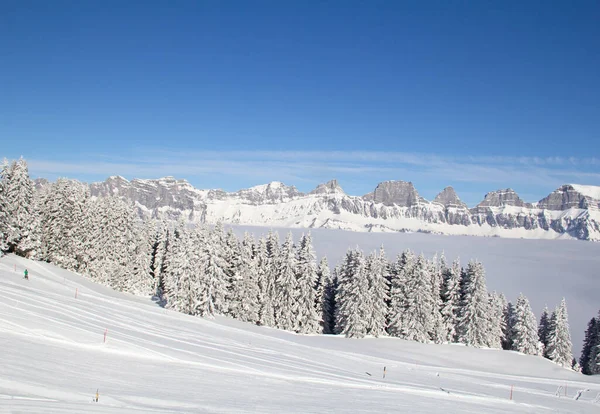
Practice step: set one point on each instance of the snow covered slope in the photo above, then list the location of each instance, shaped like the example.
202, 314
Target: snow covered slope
53, 359
571, 211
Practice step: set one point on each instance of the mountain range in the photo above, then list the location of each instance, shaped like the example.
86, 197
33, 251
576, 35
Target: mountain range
571, 211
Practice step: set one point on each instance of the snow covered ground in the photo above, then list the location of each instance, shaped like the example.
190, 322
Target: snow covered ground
53, 359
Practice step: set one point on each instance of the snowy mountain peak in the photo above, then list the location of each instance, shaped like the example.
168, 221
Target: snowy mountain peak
572, 196
117, 178
273, 192
400, 193
501, 198
330, 187
591, 191
448, 198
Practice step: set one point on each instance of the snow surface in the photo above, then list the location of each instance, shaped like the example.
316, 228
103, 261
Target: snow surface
591, 191
53, 359
543, 270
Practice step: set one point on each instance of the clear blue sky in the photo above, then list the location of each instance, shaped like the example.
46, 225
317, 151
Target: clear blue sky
479, 95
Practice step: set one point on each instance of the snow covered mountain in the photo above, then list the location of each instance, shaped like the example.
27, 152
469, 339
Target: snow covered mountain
571, 211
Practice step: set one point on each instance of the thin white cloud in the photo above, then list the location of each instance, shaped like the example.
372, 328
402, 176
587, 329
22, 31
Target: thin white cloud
297, 167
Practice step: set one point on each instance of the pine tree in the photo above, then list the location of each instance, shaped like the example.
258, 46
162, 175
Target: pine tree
439, 329
473, 325
4, 214
140, 277
63, 224
589, 342
328, 282
352, 296
244, 295
543, 330
590, 355
286, 287
18, 199
377, 307
451, 300
266, 284
414, 304
309, 315
496, 317
214, 274
509, 323
559, 338
525, 338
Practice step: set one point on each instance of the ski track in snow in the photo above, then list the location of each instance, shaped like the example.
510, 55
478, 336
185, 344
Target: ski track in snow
155, 360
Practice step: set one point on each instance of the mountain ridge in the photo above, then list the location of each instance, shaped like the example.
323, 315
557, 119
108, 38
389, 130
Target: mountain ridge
571, 211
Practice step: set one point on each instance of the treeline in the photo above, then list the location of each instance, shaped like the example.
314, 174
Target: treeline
206, 270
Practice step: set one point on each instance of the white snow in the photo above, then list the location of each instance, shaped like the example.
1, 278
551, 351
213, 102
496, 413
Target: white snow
53, 359
591, 191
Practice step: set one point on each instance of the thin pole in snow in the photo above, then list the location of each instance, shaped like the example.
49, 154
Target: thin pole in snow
75, 293
511, 391
383, 372
105, 333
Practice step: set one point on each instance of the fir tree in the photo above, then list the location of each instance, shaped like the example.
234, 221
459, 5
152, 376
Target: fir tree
544, 329
473, 325
496, 318
376, 309
308, 318
559, 338
328, 300
525, 336
244, 292
451, 300
352, 296
286, 287
509, 323
415, 307
266, 284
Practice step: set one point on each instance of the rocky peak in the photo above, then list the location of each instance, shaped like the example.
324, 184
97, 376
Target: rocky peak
572, 196
500, 198
330, 187
448, 198
274, 192
400, 193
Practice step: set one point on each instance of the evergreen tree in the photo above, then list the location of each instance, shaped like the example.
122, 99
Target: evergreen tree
328, 303
473, 325
18, 200
559, 338
509, 323
451, 300
377, 307
414, 304
496, 317
543, 330
286, 287
309, 316
244, 294
266, 284
590, 354
589, 342
439, 329
352, 296
4, 214
214, 274
525, 337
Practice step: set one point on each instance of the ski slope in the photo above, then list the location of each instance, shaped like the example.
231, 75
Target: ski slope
53, 358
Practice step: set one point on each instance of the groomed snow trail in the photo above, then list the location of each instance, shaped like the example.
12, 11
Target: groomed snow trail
53, 358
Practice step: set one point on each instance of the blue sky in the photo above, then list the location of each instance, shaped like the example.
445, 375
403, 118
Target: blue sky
479, 95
